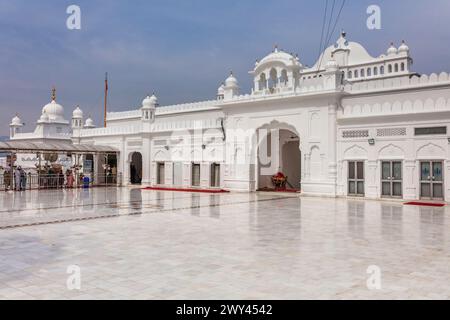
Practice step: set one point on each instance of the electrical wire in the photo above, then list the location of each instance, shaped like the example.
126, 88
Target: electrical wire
330, 34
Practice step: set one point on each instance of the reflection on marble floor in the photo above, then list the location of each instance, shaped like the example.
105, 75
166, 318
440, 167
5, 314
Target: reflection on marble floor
170, 245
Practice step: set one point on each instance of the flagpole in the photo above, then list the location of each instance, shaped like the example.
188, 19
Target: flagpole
106, 99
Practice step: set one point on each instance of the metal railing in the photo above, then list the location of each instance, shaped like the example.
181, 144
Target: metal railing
32, 181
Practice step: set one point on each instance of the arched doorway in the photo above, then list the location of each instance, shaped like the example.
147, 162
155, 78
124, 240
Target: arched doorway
278, 152
136, 168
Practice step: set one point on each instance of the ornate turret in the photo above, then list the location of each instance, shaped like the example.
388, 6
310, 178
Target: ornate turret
15, 126
148, 110
77, 118
231, 88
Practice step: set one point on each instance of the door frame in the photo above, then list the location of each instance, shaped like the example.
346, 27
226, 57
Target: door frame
432, 198
195, 164
356, 180
160, 164
212, 167
390, 180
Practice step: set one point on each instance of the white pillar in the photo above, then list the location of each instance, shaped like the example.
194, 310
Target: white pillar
146, 160
205, 175
168, 173
332, 142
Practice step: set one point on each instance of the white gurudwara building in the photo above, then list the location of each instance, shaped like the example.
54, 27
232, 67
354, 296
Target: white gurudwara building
351, 125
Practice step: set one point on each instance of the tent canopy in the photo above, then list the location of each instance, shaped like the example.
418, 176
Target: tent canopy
53, 147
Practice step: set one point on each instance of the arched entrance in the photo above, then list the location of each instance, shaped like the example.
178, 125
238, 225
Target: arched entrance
136, 168
278, 152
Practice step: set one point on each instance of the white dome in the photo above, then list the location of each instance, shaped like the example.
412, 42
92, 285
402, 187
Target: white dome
231, 81
54, 111
89, 123
356, 53
150, 101
403, 48
392, 50
77, 113
16, 121
279, 56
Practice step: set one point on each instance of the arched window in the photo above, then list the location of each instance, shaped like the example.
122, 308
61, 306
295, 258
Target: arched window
382, 70
273, 79
369, 72
396, 67
284, 77
262, 82
390, 68
402, 66
362, 73
349, 75
356, 74
375, 71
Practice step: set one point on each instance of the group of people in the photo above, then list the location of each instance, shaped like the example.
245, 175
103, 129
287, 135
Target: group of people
14, 179
56, 178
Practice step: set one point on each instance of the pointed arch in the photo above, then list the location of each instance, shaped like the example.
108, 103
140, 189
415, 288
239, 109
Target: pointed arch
430, 151
355, 152
391, 151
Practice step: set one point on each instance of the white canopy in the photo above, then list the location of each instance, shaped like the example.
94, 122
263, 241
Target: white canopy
54, 147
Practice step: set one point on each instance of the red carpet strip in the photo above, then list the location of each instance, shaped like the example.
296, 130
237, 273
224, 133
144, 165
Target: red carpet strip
425, 204
187, 190
279, 190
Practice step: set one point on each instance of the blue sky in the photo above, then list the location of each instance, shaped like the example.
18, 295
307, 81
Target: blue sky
182, 49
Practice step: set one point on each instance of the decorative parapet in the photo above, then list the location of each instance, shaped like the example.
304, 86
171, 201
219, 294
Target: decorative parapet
305, 87
111, 131
164, 110
123, 115
189, 107
398, 83
352, 107
158, 126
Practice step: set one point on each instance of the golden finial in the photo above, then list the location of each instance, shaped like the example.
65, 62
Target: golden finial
53, 93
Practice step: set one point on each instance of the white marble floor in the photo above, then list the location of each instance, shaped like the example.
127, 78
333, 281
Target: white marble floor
133, 244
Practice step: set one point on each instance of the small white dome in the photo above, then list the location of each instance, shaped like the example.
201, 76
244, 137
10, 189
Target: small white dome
392, 50
77, 113
44, 117
89, 123
221, 90
231, 81
150, 101
54, 111
16, 121
279, 56
403, 48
